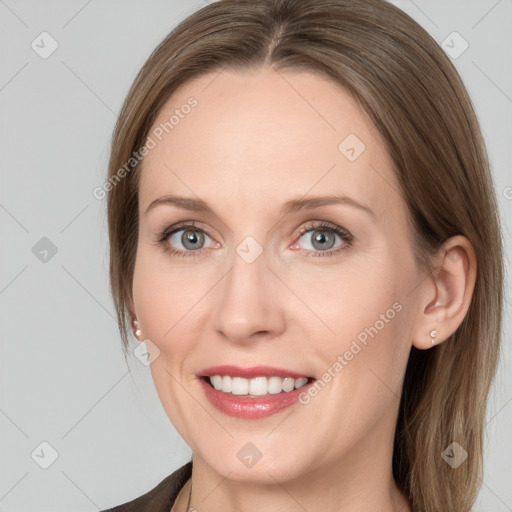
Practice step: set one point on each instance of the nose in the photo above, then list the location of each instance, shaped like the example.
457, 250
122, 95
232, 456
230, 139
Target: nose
249, 306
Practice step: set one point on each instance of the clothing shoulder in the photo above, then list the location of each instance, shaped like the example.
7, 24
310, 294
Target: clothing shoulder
161, 498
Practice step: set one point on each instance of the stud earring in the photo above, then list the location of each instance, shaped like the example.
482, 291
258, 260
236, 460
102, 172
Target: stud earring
433, 334
137, 330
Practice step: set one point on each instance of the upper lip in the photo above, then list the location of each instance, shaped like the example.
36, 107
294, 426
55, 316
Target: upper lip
250, 372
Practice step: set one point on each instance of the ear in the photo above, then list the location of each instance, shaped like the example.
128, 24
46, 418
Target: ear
446, 294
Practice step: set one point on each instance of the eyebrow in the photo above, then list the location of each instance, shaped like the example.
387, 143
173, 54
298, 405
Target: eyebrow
291, 206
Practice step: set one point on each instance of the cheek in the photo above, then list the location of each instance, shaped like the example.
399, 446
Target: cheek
149, 298
164, 293
360, 323
164, 301
349, 297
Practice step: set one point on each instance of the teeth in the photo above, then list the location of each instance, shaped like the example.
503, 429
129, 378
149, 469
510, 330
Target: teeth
257, 386
239, 386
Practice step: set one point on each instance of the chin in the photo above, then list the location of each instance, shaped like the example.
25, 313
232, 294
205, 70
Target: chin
264, 470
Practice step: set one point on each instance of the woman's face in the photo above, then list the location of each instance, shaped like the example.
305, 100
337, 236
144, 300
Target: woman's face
269, 275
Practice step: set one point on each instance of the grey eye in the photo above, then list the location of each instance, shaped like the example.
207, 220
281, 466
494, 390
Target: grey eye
320, 239
189, 239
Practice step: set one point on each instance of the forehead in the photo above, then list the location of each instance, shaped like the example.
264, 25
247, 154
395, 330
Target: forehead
240, 137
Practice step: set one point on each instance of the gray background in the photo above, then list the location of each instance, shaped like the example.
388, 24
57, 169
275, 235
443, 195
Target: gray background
64, 380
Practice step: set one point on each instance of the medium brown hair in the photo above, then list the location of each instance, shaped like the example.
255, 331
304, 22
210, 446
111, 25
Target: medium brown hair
417, 101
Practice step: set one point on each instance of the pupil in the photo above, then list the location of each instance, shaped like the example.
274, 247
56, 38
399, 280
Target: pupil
324, 239
191, 238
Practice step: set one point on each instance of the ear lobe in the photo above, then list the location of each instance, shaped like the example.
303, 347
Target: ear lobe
447, 293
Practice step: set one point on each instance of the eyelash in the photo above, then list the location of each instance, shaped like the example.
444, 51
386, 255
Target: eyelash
166, 233
345, 236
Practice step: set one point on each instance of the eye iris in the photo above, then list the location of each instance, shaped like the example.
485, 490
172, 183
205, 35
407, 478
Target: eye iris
325, 239
189, 238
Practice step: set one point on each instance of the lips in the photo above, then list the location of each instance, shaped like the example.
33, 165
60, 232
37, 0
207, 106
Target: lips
251, 372
247, 406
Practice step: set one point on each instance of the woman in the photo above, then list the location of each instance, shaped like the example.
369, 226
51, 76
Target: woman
301, 214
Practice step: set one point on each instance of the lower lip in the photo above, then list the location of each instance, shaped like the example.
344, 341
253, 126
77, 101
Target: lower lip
250, 408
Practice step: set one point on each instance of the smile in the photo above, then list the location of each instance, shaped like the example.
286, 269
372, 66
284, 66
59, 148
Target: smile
258, 386
252, 393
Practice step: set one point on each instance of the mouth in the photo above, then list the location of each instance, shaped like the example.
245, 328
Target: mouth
257, 386
255, 392
253, 398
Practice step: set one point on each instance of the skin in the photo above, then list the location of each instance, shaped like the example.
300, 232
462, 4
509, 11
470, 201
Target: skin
255, 140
